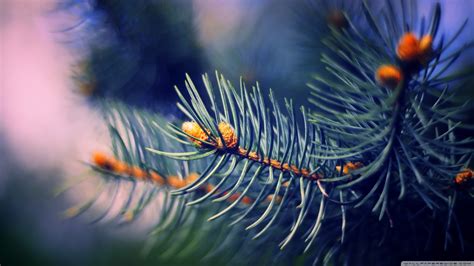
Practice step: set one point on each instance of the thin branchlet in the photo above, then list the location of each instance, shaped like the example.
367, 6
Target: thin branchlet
230, 145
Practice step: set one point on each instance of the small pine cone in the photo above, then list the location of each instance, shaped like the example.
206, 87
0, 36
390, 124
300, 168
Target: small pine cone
464, 176
228, 134
408, 47
193, 129
388, 76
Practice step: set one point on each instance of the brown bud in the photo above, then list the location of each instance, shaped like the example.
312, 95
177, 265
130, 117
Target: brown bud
337, 19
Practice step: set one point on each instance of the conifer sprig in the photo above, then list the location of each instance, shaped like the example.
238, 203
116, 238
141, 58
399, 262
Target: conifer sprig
395, 121
383, 140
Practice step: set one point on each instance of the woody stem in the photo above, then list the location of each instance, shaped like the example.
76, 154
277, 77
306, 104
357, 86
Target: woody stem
284, 167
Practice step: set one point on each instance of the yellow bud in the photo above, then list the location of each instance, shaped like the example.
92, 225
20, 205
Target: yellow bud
193, 129
228, 134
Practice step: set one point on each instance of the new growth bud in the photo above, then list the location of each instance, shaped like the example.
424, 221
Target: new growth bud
388, 76
228, 134
193, 129
411, 49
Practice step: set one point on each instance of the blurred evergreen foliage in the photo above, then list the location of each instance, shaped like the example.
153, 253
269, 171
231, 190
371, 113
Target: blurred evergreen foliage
135, 51
410, 140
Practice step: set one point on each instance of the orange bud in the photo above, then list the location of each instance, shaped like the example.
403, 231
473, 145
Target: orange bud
128, 216
234, 197
228, 134
209, 187
295, 169
247, 200
176, 182
408, 47
253, 155
155, 177
191, 178
193, 129
411, 49
119, 167
349, 167
388, 76
426, 44
305, 172
137, 172
426, 48
277, 199
464, 176
275, 164
101, 160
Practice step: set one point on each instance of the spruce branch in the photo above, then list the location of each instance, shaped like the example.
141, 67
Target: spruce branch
382, 141
388, 121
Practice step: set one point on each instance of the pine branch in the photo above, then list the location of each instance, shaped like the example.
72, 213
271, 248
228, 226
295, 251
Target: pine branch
148, 183
382, 141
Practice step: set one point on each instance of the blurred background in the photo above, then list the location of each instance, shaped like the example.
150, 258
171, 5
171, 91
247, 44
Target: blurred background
59, 58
